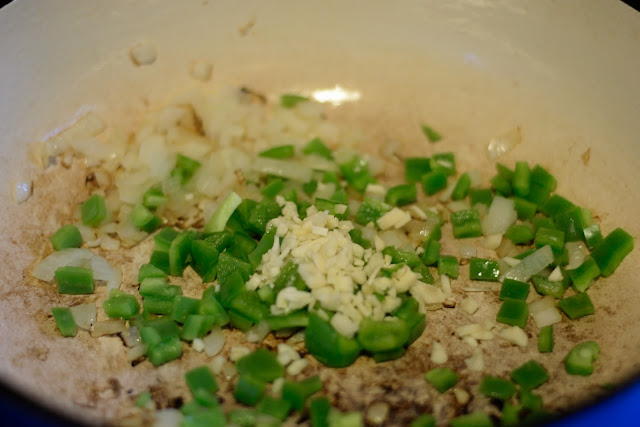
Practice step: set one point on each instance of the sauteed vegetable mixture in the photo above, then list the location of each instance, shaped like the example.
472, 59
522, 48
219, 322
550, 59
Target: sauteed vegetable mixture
290, 235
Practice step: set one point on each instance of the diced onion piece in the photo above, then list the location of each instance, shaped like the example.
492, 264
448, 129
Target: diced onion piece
476, 178
131, 337
462, 395
136, 352
168, 417
84, 315
217, 363
476, 361
438, 353
577, 253
556, 275
530, 265
237, 352
492, 241
501, 215
467, 251
21, 191
469, 305
108, 327
283, 168
515, 335
258, 332
197, 344
395, 238
296, 338
46, 269
504, 143
214, 342
446, 194
544, 311
297, 366
458, 205
344, 325
511, 262
378, 413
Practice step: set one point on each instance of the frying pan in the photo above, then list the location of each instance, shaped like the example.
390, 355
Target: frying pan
564, 72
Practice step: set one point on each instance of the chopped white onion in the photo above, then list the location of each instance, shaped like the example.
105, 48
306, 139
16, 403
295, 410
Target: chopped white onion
511, 262
21, 191
214, 342
108, 327
297, 366
476, 178
377, 413
136, 352
168, 417
467, 251
283, 168
556, 275
217, 363
577, 253
502, 144
197, 344
544, 311
446, 194
469, 305
492, 241
84, 315
438, 353
458, 205
501, 215
258, 332
476, 361
131, 337
530, 265
462, 395
237, 352
46, 269
515, 335
395, 238
296, 338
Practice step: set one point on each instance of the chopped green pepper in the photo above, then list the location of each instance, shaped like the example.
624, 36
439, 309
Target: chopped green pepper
249, 390
356, 173
261, 365
462, 187
279, 152
514, 289
94, 211
67, 236
497, 388
545, 339
317, 147
513, 312
296, 393
121, 305
577, 306
64, 321
609, 253
382, 335
530, 375
484, 269
448, 264
584, 275
401, 195
327, 345
430, 133
466, 223
475, 419
370, 210
290, 100
441, 378
415, 168
74, 280
581, 358
521, 179
433, 181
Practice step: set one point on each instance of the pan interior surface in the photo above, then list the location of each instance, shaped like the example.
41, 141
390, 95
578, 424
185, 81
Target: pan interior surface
563, 72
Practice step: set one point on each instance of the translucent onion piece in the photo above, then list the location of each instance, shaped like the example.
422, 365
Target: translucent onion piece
131, 337
214, 342
108, 327
504, 143
21, 191
168, 417
530, 265
577, 253
501, 215
544, 311
84, 315
258, 332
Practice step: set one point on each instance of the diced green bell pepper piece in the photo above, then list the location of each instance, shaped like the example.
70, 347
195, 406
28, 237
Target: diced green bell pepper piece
249, 390
382, 335
441, 378
584, 275
74, 280
183, 307
317, 147
466, 223
530, 375
401, 195
484, 269
461, 190
480, 195
94, 211
64, 321
319, 411
121, 305
513, 312
609, 253
67, 236
475, 419
179, 251
433, 181
521, 179
261, 365
448, 264
497, 388
514, 289
356, 173
545, 339
581, 358
415, 168
296, 393
424, 420
165, 351
577, 306
327, 345
370, 210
